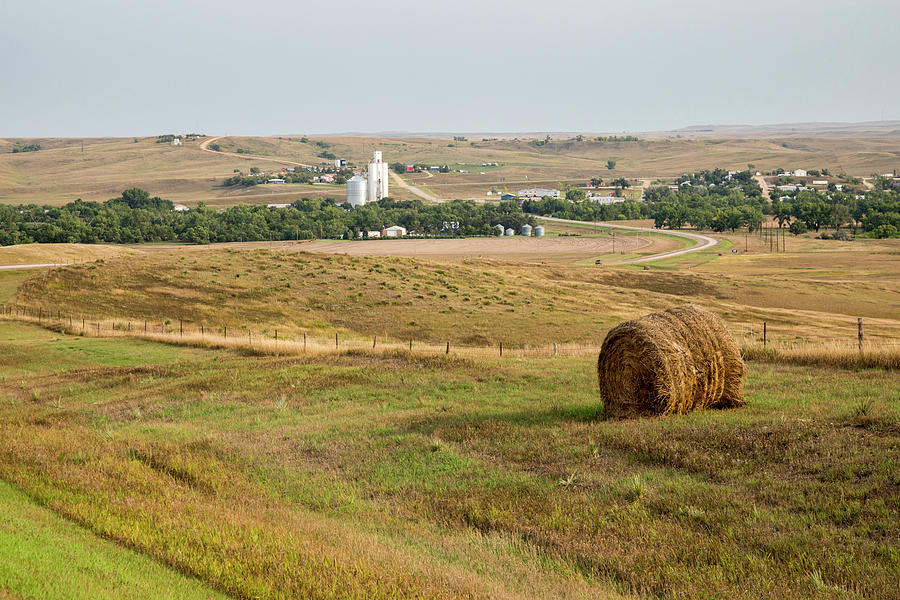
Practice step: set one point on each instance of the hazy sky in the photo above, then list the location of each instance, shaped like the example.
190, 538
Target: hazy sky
140, 67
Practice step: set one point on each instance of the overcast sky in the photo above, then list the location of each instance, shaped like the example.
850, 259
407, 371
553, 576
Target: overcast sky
141, 67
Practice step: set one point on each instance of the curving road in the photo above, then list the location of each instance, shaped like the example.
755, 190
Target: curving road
204, 145
34, 266
703, 242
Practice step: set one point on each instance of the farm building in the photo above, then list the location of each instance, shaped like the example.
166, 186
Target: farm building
393, 231
507, 197
799, 173
538, 193
278, 205
275, 180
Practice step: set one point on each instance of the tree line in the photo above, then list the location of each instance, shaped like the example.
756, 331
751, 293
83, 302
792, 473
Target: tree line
719, 201
136, 217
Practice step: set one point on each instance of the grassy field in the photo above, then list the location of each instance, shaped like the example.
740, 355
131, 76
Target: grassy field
102, 168
248, 468
402, 475
481, 302
42, 555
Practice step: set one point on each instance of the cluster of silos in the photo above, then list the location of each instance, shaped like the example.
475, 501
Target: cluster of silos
527, 230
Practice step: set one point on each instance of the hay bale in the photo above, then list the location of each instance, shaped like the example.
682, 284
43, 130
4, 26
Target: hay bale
672, 361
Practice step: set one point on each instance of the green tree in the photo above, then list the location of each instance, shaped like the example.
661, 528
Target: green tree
610, 164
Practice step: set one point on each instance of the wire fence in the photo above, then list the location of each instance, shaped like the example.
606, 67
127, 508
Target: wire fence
279, 340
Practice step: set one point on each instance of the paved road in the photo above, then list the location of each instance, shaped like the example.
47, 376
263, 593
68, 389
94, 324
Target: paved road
424, 195
34, 266
703, 242
205, 146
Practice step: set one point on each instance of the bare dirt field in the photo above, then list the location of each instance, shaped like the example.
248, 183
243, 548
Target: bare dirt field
519, 249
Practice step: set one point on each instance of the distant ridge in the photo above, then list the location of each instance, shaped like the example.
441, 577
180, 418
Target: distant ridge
801, 129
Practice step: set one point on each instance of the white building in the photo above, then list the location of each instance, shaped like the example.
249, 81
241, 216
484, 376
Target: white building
275, 180
356, 191
799, 173
176, 141
378, 179
538, 193
279, 205
393, 231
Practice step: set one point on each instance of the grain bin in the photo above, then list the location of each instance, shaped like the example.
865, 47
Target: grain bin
356, 191
539, 231
526, 230
498, 229
509, 231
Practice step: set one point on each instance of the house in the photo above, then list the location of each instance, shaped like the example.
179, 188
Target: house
278, 205
340, 162
180, 208
787, 188
820, 182
393, 231
370, 234
327, 178
799, 173
275, 180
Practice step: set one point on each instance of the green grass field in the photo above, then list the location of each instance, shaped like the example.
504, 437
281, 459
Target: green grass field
405, 475
42, 555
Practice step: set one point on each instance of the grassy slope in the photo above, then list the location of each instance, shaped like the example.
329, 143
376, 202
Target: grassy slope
364, 476
473, 302
62, 172
44, 556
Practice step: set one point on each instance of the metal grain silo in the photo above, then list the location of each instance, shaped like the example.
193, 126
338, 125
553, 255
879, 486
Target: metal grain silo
356, 191
526, 230
498, 229
509, 231
539, 231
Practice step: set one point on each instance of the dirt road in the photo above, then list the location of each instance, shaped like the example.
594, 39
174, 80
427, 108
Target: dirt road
205, 147
413, 189
765, 186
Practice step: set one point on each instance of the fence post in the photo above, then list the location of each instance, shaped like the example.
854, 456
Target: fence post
250, 336
554, 348
374, 339
501, 348
410, 344
859, 332
276, 336
202, 330
448, 348
98, 327
225, 328
181, 327
82, 323
304, 341
764, 334
335, 340
70, 321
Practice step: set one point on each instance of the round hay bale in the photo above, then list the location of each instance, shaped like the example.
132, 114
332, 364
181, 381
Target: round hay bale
672, 361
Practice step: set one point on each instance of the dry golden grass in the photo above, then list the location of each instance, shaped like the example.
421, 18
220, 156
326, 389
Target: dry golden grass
62, 172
